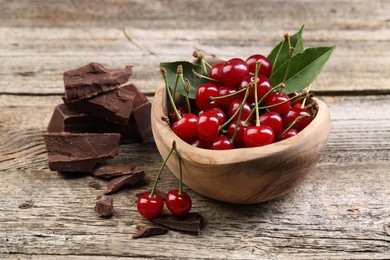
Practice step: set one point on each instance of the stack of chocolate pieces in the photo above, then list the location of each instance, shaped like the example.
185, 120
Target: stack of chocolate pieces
100, 111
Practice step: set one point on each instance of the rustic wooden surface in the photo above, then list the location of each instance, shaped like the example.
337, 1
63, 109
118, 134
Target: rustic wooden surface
342, 211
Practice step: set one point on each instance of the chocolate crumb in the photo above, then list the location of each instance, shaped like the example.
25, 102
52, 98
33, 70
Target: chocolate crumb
148, 231
95, 184
115, 170
98, 197
192, 222
105, 208
116, 184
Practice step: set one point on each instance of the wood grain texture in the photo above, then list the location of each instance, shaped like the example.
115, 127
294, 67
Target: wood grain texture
341, 211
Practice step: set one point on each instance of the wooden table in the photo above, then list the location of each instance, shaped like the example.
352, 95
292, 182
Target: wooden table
341, 211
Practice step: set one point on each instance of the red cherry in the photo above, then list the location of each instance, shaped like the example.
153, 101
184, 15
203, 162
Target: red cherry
178, 204
297, 105
224, 103
295, 112
290, 133
263, 86
186, 127
203, 94
258, 136
208, 126
150, 207
215, 73
220, 113
275, 98
200, 143
234, 106
222, 142
240, 131
234, 71
273, 120
265, 67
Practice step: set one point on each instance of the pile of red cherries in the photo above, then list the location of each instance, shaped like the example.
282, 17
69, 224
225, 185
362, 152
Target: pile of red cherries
240, 108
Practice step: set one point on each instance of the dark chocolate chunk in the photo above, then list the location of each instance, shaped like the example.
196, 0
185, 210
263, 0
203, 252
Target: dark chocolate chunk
192, 222
148, 231
140, 98
105, 208
95, 184
92, 80
142, 116
115, 170
116, 184
114, 106
79, 152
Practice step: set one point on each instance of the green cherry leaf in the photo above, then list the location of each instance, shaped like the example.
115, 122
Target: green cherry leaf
304, 68
171, 68
280, 54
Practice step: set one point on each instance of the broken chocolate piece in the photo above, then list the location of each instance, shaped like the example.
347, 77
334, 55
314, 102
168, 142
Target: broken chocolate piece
140, 97
95, 184
116, 184
148, 231
105, 208
114, 106
115, 170
142, 116
92, 80
192, 222
79, 152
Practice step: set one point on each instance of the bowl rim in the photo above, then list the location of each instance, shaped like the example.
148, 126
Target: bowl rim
230, 156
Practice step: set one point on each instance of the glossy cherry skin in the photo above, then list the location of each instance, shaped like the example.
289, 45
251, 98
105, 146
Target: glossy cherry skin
290, 133
150, 207
220, 113
235, 105
265, 67
255, 136
208, 126
273, 120
263, 86
275, 98
295, 112
196, 142
222, 142
233, 72
215, 73
186, 127
203, 94
178, 204
238, 141
224, 103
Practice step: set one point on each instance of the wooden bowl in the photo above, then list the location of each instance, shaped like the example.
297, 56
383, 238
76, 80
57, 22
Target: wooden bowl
244, 175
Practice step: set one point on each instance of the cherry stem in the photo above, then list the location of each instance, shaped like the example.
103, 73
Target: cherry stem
187, 88
292, 124
203, 62
239, 115
228, 95
200, 76
180, 171
291, 50
166, 120
258, 65
179, 74
304, 100
168, 90
151, 195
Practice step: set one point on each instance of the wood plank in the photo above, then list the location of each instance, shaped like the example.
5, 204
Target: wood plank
332, 214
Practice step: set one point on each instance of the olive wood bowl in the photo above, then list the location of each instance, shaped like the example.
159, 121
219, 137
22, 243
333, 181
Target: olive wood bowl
243, 175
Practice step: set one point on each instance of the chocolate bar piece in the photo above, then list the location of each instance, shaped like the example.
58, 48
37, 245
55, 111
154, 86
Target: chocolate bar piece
79, 152
115, 170
114, 106
105, 208
92, 80
192, 222
148, 231
116, 184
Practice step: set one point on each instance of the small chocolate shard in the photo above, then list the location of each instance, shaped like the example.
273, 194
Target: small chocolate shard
92, 80
116, 184
105, 207
142, 116
115, 170
95, 185
148, 231
114, 106
192, 222
79, 152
